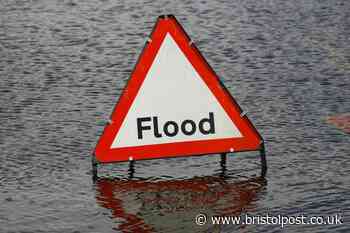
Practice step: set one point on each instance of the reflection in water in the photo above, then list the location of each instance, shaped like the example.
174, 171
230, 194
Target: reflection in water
341, 121
171, 205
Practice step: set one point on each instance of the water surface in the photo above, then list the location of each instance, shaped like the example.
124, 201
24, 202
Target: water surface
63, 65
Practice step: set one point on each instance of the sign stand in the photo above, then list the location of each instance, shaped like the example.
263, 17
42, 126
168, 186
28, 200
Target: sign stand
223, 159
223, 164
144, 124
131, 170
263, 159
94, 168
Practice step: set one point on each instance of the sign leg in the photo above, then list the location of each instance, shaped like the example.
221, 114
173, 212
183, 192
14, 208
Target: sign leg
223, 159
263, 160
94, 168
131, 169
223, 164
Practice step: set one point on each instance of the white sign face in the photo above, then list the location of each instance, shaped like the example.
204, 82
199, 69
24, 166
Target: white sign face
173, 105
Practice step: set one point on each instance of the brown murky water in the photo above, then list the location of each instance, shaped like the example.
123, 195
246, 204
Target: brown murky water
63, 65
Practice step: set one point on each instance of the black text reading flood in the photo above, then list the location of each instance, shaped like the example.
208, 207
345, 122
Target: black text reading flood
172, 128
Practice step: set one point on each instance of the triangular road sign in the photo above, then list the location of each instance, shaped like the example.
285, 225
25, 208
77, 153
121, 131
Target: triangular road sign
174, 105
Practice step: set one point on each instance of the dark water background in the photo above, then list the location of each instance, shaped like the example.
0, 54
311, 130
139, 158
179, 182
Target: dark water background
63, 65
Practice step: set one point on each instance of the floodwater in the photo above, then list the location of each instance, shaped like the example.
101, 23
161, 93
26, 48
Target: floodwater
63, 65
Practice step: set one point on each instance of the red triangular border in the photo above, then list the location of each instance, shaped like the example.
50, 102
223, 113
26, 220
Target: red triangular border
250, 141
